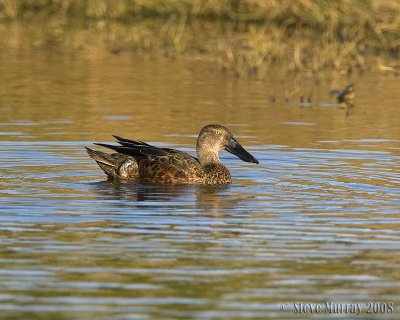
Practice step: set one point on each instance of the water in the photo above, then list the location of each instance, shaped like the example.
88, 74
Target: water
317, 221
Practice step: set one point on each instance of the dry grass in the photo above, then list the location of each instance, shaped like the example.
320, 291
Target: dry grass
243, 36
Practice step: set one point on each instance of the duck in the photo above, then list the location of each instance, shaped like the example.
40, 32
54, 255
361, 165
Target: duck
345, 95
142, 163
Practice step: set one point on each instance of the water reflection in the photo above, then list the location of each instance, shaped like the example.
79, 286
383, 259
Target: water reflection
209, 199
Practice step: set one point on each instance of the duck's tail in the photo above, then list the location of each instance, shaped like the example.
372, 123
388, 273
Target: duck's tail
106, 161
117, 166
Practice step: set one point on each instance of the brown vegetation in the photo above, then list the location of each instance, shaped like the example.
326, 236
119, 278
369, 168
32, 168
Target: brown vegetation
246, 37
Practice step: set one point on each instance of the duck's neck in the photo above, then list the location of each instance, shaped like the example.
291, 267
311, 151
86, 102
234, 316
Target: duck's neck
207, 156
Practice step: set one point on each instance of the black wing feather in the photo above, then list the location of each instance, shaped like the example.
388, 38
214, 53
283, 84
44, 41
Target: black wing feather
140, 150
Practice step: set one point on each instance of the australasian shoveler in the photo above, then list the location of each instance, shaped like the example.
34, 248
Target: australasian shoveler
139, 162
345, 95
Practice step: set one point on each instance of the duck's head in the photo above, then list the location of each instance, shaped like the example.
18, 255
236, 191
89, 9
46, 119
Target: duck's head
349, 88
214, 138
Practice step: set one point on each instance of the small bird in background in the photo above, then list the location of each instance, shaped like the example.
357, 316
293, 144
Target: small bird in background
272, 99
345, 96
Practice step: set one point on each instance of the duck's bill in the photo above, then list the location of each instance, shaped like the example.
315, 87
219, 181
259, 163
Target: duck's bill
235, 148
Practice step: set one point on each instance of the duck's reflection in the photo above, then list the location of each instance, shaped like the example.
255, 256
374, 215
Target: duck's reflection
207, 198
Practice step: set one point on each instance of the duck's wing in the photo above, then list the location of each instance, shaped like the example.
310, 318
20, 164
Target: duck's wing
144, 146
141, 150
336, 92
159, 165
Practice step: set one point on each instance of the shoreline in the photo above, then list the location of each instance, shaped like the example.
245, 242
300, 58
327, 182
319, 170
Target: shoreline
245, 43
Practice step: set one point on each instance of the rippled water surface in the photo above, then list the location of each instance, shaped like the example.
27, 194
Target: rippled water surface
317, 221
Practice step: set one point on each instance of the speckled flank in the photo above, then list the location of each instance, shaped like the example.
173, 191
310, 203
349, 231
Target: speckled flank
139, 162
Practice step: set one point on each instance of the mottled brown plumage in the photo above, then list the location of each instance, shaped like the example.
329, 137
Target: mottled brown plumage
139, 162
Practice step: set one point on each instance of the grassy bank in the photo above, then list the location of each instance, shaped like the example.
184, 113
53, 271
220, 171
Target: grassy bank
245, 37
